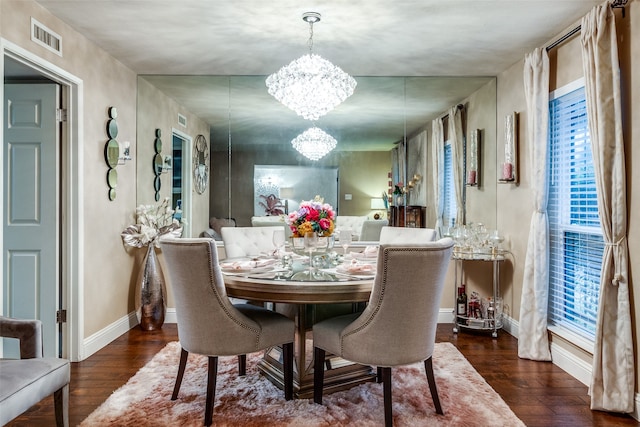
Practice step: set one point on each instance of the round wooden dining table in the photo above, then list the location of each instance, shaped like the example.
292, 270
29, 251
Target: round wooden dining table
300, 297
270, 289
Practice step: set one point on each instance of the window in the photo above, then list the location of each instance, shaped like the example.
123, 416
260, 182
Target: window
576, 244
449, 215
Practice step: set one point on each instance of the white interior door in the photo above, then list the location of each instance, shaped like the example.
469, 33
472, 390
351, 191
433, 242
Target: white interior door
30, 203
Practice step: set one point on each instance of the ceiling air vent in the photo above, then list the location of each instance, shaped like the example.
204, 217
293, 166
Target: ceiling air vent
45, 37
182, 120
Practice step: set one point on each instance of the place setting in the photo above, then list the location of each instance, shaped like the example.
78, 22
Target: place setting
248, 266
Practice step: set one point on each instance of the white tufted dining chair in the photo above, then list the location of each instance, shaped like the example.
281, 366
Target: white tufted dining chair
210, 325
398, 326
395, 235
248, 241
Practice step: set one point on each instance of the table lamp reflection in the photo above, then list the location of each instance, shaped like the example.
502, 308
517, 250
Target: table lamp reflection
286, 193
377, 204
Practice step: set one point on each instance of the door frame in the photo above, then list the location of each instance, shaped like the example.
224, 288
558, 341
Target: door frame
187, 178
71, 193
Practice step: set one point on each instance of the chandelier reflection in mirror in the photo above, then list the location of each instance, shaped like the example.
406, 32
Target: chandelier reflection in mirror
310, 85
314, 143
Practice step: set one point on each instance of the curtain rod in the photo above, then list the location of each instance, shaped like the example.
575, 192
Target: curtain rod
615, 4
563, 38
446, 114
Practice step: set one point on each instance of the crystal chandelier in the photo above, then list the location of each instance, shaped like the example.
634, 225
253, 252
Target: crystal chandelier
310, 85
314, 143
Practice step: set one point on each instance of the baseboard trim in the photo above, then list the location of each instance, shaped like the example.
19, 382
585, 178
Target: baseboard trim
571, 364
100, 339
104, 336
565, 360
445, 315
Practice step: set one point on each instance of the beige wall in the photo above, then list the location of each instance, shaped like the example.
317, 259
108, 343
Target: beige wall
515, 202
481, 114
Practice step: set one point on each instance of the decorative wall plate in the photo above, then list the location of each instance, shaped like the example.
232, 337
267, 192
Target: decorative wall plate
200, 164
112, 128
112, 153
112, 178
157, 164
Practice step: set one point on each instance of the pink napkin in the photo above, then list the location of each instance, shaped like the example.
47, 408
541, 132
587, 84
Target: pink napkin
246, 264
355, 267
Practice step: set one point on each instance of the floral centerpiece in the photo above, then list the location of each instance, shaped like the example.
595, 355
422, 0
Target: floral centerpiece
152, 222
399, 189
312, 216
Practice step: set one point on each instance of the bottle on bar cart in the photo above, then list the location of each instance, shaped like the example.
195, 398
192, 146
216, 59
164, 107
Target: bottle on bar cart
461, 304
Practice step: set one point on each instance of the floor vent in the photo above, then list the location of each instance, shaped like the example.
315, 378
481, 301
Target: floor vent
46, 38
182, 120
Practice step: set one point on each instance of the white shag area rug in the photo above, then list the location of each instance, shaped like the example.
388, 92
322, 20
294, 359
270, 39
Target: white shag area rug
145, 400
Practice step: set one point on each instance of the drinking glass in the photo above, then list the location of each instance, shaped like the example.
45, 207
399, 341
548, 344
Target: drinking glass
278, 241
344, 237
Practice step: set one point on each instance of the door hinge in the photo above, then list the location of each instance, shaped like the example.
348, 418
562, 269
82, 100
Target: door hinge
61, 114
61, 316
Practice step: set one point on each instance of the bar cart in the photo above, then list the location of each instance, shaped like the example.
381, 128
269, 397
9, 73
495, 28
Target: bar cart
490, 318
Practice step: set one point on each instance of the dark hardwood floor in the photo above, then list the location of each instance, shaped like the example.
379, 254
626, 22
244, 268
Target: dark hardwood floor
540, 394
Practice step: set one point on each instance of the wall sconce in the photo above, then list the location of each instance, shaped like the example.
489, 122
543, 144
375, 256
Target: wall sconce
167, 164
414, 180
124, 152
377, 204
510, 165
473, 172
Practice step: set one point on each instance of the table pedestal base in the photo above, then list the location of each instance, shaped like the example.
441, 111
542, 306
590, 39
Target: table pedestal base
340, 374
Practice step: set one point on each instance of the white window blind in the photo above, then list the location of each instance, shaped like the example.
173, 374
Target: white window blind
449, 217
576, 244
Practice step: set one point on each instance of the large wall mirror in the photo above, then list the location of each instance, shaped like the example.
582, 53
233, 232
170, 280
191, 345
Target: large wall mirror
249, 127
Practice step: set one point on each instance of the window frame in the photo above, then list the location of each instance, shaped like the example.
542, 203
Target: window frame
563, 328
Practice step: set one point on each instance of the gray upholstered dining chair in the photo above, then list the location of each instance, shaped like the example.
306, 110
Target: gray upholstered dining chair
210, 325
248, 241
395, 235
398, 326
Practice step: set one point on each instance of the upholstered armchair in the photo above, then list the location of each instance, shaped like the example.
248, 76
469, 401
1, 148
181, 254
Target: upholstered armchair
215, 225
248, 241
398, 326
210, 325
371, 229
353, 223
398, 235
26, 381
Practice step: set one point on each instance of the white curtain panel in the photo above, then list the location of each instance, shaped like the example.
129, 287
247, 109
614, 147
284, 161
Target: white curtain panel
612, 381
456, 136
416, 164
437, 150
533, 342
